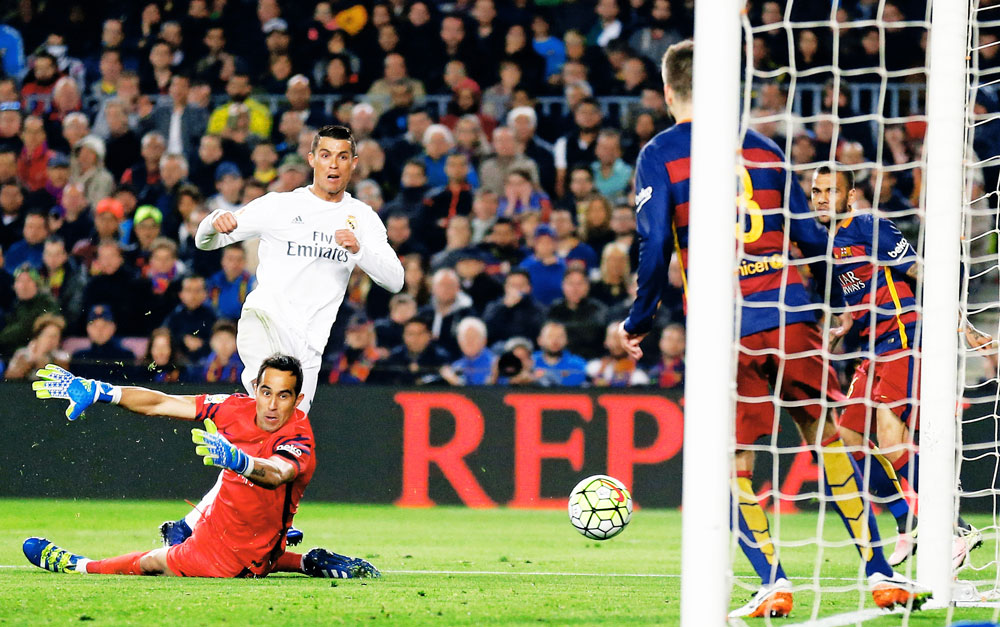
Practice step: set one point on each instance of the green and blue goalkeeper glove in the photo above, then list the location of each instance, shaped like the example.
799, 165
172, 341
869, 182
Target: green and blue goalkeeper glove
218, 451
55, 382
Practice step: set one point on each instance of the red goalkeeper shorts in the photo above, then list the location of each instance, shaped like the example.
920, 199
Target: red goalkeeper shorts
786, 371
895, 381
196, 557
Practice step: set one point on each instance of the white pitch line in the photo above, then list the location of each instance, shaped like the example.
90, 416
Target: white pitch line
527, 573
849, 618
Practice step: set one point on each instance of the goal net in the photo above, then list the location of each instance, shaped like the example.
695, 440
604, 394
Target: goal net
848, 88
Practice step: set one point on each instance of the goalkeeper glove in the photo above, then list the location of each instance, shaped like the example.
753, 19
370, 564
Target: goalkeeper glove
55, 382
218, 451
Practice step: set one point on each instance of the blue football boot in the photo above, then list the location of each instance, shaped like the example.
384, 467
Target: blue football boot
323, 563
174, 532
47, 555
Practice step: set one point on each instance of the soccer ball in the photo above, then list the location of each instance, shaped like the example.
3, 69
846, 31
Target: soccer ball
600, 507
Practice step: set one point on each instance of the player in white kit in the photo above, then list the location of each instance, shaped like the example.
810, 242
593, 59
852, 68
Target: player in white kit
310, 241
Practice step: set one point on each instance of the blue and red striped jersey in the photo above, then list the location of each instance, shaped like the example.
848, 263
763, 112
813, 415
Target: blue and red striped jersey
871, 258
768, 284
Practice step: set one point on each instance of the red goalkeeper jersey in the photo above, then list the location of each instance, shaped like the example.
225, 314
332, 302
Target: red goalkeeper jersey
246, 524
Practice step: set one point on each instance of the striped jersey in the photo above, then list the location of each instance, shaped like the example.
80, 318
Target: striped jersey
767, 283
871, 258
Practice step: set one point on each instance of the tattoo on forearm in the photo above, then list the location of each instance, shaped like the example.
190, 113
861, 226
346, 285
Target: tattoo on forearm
258, 473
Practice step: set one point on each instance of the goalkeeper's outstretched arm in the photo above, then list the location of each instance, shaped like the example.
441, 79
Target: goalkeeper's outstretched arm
152, 403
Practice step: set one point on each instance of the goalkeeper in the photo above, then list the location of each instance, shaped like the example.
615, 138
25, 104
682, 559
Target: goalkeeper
264, 445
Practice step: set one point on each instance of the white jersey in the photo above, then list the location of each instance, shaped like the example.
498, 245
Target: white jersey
303, 274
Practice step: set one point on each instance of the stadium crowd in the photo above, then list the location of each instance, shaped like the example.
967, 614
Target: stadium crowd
123, 125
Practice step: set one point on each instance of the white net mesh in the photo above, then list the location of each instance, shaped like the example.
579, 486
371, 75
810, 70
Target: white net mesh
843, 87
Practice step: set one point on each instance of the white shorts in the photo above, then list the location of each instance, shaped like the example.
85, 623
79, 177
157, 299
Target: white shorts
260, 336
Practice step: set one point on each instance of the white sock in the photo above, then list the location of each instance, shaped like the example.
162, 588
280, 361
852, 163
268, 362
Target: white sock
194, 517
81, 565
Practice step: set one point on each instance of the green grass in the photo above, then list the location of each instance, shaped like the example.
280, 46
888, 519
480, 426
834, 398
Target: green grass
449, 566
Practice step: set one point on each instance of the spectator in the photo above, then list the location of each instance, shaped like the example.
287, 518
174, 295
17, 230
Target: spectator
369, 192
595, 228
608, 26
658, 33
70, 219
393, 121
503, 246
517, 314
518, 49
10, 133
129, 95
207, 162
544, 267
521, 197
64, 279
290, 126
39, 82
484, 214
466, 101
56, 177
494, 171
669, 373
553, 364
524, 122
372, 166
613, 284
147, 222
448, 306
224, 120
265, 159
42, 349
623, 225
105, 358
615, 368
163, 362
399, 234
581, 190
144, 175
577, 145
176, 119
336, 77
394, 74
223, 364
110, 68
162, 271
483, 289
191, 321
363, 120
228, 288
114, 285
8, 161
438, 142
471, 141
515, 365
35, 154
442, 204
108, 216
612, 176
298, 94
477, 366
458, 236
413, 188
88, 170
548, 47
569, 248
389, 330
229, 183
29, 249
417, 362
11, 219
31, 302
581, 315
354, 363
123, 146
158, 72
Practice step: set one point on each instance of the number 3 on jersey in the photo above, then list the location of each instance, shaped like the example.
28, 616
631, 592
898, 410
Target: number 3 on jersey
749, 207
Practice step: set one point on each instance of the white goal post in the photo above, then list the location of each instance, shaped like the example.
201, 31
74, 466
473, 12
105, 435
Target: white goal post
946, 94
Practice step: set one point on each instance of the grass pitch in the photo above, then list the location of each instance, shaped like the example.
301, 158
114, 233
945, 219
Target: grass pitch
448, 566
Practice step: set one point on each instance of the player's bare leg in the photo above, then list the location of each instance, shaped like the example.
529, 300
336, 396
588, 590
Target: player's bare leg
155, 563
775, 595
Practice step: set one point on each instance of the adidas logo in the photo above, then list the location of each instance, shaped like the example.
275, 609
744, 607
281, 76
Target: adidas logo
297, 220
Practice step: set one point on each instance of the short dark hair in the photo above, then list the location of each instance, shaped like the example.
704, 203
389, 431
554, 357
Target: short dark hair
284, 363
418, 163
677, 68
226, 326
847, 174
335, 131
519, 272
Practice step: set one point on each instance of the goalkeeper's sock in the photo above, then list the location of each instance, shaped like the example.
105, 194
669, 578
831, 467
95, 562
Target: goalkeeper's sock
755, 531
288, 562
883, 483
842, 478
127, 564
907, 466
